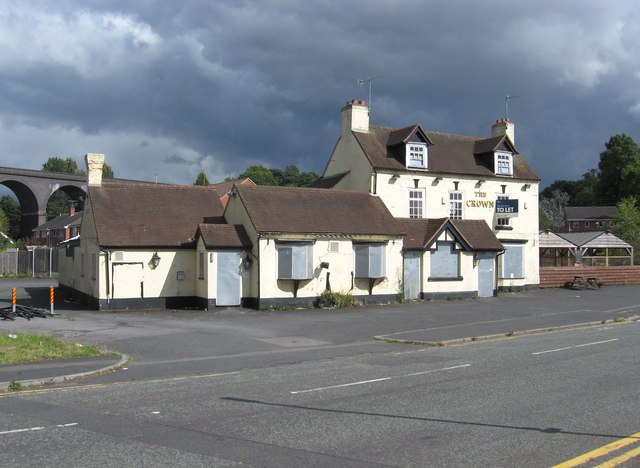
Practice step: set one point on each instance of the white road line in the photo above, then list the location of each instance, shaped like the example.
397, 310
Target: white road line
382, 379
572, 347
29, 429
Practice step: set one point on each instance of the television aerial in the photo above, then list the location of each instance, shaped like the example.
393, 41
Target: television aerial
506, 104
362, 82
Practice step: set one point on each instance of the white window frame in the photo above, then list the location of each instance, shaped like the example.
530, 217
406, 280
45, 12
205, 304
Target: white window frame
295, 260
369, 260
416, 155
503, 221
416, 203
504, 163
455, 205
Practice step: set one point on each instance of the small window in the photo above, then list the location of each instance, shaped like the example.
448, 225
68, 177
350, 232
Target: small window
586, 224
94, 266
503, 222
416, 155
295, 260
599, 224
455, 205
512, 262
445, 261
575, 224
504, 163
201, 265
416, 203
370, 260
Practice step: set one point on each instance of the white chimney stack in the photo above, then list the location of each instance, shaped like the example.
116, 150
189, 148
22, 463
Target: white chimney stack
504, 127
355, 117
94, 163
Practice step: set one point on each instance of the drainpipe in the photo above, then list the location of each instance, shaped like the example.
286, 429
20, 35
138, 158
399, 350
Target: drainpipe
374, 182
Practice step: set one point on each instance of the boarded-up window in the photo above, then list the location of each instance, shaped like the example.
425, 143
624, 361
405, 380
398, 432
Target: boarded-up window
295, 260
512, 261
370, 260
445, 261
201, 265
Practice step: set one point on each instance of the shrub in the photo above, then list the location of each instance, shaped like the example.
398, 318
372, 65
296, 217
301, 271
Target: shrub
334, 300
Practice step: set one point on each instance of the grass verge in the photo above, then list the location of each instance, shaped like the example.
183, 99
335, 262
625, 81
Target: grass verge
28, 347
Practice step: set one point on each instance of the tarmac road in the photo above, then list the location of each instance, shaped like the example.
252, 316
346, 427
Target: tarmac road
174, 343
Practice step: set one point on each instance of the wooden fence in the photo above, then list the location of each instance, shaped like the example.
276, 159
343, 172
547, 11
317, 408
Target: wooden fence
556, 277
36, 263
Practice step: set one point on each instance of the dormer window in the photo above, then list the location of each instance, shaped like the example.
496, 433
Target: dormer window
417, 155
504, 163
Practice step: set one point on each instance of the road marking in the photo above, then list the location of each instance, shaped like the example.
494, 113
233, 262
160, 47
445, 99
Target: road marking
382, 379
31, 429
604, 450
620, 459
576, 346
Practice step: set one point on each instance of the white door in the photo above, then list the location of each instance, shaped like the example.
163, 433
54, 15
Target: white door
127, 281
229, 283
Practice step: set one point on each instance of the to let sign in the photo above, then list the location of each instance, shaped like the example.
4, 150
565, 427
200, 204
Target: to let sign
507, 207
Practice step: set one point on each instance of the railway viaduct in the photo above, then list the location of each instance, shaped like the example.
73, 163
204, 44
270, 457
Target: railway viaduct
33, 188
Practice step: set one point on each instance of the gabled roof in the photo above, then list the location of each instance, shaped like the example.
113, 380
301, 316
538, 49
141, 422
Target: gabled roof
297, 210
474, 235
225, 187
152, 215
60, 222
224, 236
448, 153
403, 135
595, 239
590, 212
551, 240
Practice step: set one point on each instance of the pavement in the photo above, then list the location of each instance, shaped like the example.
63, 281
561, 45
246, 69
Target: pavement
437, 323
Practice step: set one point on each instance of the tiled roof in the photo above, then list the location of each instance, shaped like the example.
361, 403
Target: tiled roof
449, 153
60, 222
590, 212
224, 236
476, 235
318, 211
152, 215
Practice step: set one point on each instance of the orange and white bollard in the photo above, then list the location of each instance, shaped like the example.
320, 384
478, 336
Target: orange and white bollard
13, 300
51, 299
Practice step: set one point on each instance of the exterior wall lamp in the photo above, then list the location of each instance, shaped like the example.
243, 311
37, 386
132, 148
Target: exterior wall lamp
155, 260
526, 187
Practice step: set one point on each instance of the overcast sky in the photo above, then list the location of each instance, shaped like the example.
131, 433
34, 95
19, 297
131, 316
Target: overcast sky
166, 89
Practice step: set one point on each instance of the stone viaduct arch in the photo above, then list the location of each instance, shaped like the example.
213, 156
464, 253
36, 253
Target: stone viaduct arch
33, 189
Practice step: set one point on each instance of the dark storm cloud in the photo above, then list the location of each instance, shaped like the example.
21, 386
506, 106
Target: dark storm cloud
222, 85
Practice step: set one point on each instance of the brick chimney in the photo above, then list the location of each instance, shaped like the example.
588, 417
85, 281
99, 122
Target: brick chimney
94, 163
504, 126
355, 117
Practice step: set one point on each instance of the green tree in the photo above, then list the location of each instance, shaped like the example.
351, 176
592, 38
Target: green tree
627, 224
67, 165
59, 201
12, 211
553, 208
4, 229
201, 179
107, 172
260, 175
619, 169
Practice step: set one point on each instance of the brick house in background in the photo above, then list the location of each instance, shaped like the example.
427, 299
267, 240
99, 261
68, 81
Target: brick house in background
589, 218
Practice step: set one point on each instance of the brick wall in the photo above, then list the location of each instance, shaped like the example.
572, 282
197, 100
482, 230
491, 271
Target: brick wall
556, 277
